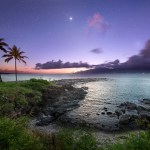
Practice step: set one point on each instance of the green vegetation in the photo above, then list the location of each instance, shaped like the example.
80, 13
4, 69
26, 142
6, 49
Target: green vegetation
139, 141
22, 99
15, 135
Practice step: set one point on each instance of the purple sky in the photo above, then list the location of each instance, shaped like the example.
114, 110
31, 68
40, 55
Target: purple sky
92, 31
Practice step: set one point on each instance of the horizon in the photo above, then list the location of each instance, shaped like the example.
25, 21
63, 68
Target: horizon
66, 36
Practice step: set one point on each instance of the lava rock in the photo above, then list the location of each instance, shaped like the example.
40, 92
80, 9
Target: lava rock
109, 113
124, 119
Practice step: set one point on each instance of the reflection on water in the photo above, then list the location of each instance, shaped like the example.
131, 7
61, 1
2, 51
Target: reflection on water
109, 94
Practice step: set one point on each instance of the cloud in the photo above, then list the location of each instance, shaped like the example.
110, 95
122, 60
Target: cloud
59, 64
146, 51
97, 24
142, 60
111, 64
135, 63
96, 51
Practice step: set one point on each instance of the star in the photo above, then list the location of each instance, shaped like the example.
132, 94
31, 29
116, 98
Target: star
71, 18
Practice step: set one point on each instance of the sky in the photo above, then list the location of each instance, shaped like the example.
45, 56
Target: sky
92, 31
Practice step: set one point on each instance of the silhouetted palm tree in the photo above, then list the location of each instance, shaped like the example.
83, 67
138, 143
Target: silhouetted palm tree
15, 53
2, 48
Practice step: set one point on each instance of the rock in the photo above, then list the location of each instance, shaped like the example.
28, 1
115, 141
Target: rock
105, 108
97, 114
109, 113
103, 113
60, 99
85, 88
118, 112
112, 115
103, 126
128, 105
87, 114
116, 125
140, 108
146, 101
45, 121
144, 115
124, 119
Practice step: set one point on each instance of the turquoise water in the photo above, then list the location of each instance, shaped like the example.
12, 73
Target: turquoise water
119, 87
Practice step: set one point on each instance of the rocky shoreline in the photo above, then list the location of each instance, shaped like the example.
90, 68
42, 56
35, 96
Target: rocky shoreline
61, 101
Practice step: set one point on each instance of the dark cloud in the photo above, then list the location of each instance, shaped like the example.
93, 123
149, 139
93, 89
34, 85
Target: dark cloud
146, 51
96, 51
140, 60
135, 63
111, 64
59, 64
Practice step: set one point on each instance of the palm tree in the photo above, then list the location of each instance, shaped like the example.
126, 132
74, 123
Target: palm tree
15, 53
2, 48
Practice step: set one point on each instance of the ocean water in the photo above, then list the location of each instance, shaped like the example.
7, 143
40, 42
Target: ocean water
118, 87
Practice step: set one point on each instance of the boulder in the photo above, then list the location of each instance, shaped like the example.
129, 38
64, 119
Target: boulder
124, 119
109, 113
140, 108
128, 105
144, 115
146, 101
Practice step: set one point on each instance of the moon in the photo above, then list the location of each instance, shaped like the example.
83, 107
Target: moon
70, 18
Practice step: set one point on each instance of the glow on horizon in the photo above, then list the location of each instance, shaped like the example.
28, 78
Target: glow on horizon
42, 71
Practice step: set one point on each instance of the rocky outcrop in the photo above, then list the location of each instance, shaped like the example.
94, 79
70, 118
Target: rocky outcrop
129, 112
59, 100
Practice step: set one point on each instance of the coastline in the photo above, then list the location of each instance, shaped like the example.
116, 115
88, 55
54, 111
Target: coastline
125, 113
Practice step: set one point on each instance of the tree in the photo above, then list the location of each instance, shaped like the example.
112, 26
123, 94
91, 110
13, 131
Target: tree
3, 47
16, 54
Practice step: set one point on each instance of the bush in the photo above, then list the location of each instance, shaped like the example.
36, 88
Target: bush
134, 142
14, 136
36, 84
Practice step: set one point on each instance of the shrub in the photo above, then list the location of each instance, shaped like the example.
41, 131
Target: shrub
139, 141
14, 136
36, 84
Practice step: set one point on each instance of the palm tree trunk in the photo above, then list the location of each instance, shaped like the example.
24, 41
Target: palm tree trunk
16, 69
0, 78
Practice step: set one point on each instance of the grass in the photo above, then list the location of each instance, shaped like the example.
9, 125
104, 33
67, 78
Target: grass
22, 99
14, 135
140, 141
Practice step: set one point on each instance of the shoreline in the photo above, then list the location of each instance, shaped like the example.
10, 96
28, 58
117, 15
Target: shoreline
49, 124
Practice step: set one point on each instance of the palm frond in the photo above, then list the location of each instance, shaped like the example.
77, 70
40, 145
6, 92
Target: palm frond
7, 55
3, 49
3, 44
8, 59
1, 39
23, 61
15, 53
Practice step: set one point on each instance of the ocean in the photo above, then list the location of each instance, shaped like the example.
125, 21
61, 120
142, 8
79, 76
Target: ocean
118, 87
